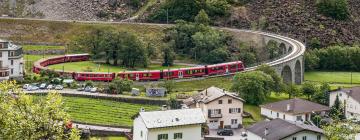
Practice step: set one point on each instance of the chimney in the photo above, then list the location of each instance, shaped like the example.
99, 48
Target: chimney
288, 107
266, 132
206, 93
142, 109
164, 107
224, 90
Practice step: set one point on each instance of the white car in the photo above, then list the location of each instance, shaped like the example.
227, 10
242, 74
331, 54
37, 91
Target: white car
32, 88
26, 86
93, 90
43, 86
59, 87
50, 87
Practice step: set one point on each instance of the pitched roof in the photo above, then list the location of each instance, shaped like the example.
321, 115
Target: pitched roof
210, 94
297, 106
353, 92
279, 129
168, 118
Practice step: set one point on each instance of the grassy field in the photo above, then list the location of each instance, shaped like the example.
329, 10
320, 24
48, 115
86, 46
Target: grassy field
103, 112
96, 67
333, 77
42, 47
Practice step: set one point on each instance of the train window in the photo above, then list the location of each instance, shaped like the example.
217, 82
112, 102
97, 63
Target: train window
145, 75
131, 75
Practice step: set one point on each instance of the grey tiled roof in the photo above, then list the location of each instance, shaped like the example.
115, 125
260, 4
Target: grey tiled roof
209, 95
297, 106
279, 129
169, 118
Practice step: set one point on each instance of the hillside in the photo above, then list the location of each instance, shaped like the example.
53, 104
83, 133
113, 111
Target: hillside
71, 9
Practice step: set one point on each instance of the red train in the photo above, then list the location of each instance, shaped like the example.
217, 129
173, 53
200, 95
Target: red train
152, 75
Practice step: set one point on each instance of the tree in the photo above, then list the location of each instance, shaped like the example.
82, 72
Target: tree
337, 9
173, 103
169, 85
278, 83
292, 90
337, 111
253, 86
168, 55
22, 117
89, 83
202, 18
341, 130
273, 49
119, 86
322, 95
309, 89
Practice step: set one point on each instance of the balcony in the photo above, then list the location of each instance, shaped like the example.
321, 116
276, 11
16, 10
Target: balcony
215, 116
2, 69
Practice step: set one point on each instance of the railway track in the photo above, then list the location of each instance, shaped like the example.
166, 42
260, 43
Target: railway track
298, 48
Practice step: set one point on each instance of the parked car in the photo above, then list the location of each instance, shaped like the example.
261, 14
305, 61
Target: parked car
244, 134
225, 132
80, 89
26, 86
32, 88
59, 87
43, 86
93, 90
87, 89
50, 87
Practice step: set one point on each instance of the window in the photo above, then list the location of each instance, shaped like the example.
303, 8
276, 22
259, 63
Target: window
271, 112
277, 115
12, 62
1, 45
294, 138
0, 54
284, 116
298, 118
234, 110
304, 138
178, 136
12, 53
12, 71
0, 64
318, 137
141, 134
234, 121
229, 101
220, 101
163, 137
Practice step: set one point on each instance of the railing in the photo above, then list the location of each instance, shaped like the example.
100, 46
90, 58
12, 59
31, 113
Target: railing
215, 115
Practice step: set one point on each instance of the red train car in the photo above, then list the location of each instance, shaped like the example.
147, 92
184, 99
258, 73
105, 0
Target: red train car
184, 73
77, 57
225, 68
93, 76
141, 75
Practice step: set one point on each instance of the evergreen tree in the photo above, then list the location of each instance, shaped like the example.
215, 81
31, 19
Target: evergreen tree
337, 110
202, 18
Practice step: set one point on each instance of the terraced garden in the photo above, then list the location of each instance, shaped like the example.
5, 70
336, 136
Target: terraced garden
103, 112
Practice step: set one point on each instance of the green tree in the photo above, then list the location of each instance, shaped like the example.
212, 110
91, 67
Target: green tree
119, 86
169, 85
278, 83
168, 55
322, 96
22, 117
337, 111
341, 130
89, 83
292, 90
273, 49
337, 9
202, 18
254, 86
173, 103
309, 89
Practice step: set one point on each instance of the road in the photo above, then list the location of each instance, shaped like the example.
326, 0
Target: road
102, 128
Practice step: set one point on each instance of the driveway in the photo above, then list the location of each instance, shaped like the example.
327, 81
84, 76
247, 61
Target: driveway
236, 136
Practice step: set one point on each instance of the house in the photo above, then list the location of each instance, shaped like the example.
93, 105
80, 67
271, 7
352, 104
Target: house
183, 124
11, 61
297, 110
222, 109
279, 129
350, 98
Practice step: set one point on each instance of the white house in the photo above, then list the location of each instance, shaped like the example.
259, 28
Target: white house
220, 108
183, 124
297, 110
279, 129
350, 98
11, 61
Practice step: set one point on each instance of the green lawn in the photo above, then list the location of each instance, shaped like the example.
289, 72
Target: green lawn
42, 47
103, 112
333, 77
109, 138
99, 67
187, 86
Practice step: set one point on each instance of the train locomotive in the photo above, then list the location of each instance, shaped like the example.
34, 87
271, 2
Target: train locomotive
149, 75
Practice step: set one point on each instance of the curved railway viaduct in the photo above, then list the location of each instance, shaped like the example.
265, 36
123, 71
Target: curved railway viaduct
290, 65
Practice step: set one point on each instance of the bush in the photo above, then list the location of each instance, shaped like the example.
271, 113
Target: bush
119, 86
337, 9
89, 83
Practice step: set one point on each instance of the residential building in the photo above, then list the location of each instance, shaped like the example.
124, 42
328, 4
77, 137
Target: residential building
279, 129
222, 109
350, 97
183, 124
11, 61
297, 110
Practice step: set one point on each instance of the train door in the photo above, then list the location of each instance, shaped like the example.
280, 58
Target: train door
137, 77
227, 68
181, 74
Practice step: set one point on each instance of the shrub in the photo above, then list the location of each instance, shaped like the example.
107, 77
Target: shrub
337, 9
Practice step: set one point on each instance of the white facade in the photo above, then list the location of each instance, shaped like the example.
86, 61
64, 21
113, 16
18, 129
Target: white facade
307, 135
281, 115
352, 107
225, 111
11, 61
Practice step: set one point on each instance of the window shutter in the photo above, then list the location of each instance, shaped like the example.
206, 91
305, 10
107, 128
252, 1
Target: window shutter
229, 110
209, 112
239, 110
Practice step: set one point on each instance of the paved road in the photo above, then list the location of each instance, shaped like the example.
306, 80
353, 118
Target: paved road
101, 128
